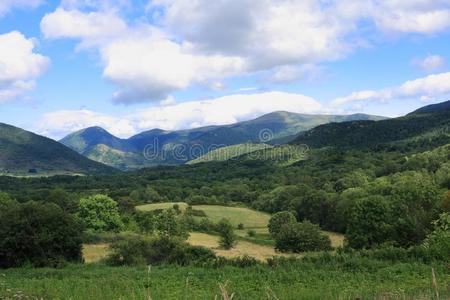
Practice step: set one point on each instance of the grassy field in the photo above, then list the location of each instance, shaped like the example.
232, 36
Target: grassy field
260, 252
156, 206
236, 215
295, 281
250, 218
229, 152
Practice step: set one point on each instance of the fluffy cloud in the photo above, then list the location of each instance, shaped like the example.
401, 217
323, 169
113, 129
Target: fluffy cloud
266, 33
60, 123
142, 61
19, 65
93, 28
191, 42
429, 63
432, 87
147, 68
7, 5
179, 116
417, 16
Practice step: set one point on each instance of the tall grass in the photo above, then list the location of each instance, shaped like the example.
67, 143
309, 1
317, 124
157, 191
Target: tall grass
349, 278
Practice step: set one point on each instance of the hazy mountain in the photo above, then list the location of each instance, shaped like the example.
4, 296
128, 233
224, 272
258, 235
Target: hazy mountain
161, 147
23, 152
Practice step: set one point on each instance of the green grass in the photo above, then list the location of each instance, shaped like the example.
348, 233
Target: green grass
299, 280
250, 218
165, 205
236, 215
229, 152
284, 155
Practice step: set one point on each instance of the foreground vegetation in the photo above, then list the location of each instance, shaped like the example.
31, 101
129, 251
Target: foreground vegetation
321, 278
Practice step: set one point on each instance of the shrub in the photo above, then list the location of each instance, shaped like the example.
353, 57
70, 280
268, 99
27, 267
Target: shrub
138, 250
437, 243
240, 226
6, 201
251, 233
100, 213
168, 225
39, 235
300, 237
226, 232
278, 220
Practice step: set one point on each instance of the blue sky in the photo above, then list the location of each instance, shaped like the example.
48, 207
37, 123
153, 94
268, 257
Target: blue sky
130, 66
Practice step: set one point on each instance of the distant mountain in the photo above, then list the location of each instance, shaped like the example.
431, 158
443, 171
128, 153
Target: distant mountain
23, 152
425, 128
85, 140
433, 108
161, 147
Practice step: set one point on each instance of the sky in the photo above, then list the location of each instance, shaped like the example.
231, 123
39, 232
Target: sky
134, 65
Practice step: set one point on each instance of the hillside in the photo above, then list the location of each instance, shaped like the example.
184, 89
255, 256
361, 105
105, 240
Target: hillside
433, 108
22, 153
229, 152
425, 129
161, 147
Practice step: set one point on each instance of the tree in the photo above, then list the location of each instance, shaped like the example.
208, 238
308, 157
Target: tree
369, 223
145, 195
278, 220
168, 225
100, 213
6, 201
438, 241
227, 236
301, 237
39, 234
63, 199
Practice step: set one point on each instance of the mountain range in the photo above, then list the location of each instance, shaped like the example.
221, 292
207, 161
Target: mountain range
162, 147
91, 150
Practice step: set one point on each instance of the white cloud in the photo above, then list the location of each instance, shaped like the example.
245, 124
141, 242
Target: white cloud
92, 28
191, 42
179, 116
429, 63
20, 66
7, 5
412, 16
146, 68
431, 88
266, 33
60, 123
142, 61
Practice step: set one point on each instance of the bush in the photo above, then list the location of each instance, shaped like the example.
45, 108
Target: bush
100, 213
251, 233
240, 226
138, 250
301, 237
227, 236
39, 235
437, 243
278, 220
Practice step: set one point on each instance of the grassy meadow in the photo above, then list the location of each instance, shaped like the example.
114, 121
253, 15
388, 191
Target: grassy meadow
354, 279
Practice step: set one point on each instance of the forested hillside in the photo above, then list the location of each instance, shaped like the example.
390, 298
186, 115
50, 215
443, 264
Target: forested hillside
25, 153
